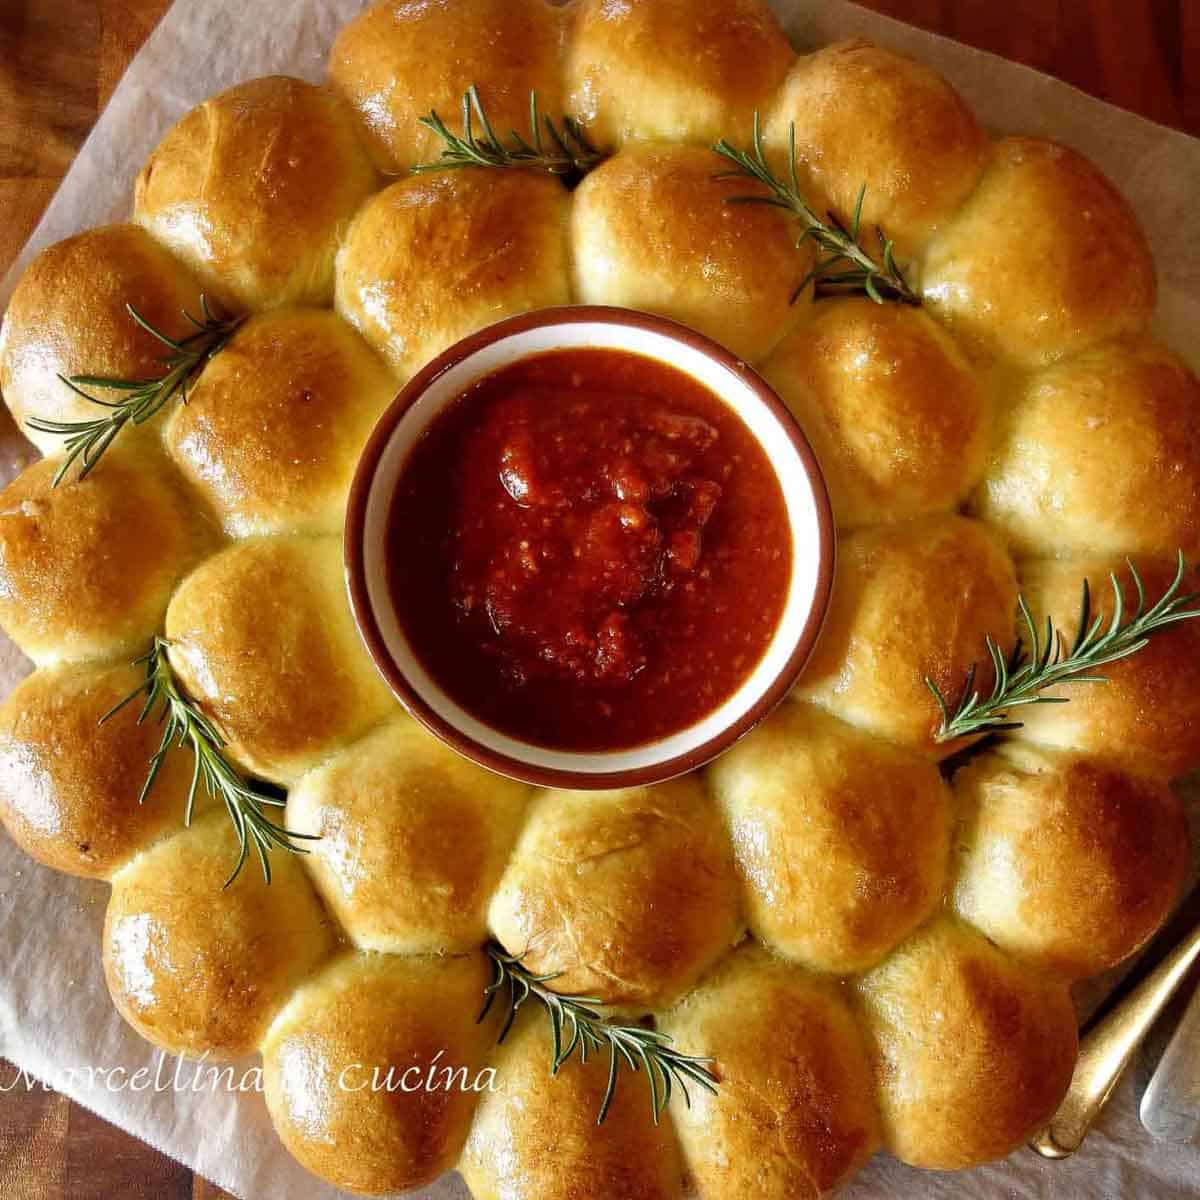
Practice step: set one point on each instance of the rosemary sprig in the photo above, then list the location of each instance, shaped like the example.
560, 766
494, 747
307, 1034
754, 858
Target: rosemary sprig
575, 1024
844, 264
86, 441
1041, 659
184, 725
562, 149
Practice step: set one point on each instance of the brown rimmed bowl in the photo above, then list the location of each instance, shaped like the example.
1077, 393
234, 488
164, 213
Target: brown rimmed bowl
585, 326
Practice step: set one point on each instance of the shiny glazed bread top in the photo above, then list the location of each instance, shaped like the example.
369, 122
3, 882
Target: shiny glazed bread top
871, 955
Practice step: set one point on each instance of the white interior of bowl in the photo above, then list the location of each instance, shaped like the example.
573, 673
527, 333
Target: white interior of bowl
738, 395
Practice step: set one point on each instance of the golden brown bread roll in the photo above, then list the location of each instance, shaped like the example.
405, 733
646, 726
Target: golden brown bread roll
370, 1070
841, 839
651, 862
253, 190
262, 637
273, 428
1100, 454
414, 839
401, 58
69, 786
891, 408
787, 1124
1063, 860
535, 1136
68, 316
435, 257
652, 229
672, 69
866, 117
909, 601
972, 1052
1147, 717
87, 568
1044, 260
197, 967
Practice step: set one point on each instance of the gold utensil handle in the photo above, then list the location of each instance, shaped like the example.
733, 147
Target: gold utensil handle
1106, 1050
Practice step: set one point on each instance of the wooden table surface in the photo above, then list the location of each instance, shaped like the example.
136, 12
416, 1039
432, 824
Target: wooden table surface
59, 62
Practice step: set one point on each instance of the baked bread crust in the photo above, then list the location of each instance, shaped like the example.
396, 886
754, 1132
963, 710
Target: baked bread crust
1147, 717
335, 1063
651, 229
1045, 259
867, 118
1065, 861
909, 601
972, 1050
1099, 454
196, 967
76, 581
414, 840
536, 1134
1026, 387
434, 257
229, 191
401, 58
272, 430
898, 419
790, 1125
673, 70
261, 635
841, 839
591, 862
68, 316
70, 788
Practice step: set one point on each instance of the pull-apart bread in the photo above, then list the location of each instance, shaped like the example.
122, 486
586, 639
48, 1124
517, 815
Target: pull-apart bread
874, 951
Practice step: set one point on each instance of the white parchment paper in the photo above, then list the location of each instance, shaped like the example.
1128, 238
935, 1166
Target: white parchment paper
55, 1014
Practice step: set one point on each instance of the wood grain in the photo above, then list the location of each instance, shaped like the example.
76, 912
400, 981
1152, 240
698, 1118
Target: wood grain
59, 62
1128, 52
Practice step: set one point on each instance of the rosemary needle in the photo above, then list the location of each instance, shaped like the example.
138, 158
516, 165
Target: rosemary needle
1041, 660
575, 1024
86, 441
844, 264
184, 725
562, 149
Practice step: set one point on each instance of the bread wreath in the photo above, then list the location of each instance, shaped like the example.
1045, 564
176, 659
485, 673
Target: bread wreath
872, 956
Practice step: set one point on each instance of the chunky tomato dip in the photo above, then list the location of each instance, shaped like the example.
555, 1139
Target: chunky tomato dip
589, 550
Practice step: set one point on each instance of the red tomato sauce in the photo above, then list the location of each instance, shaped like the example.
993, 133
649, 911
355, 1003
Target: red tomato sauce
589, 550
